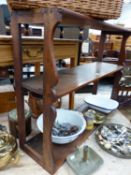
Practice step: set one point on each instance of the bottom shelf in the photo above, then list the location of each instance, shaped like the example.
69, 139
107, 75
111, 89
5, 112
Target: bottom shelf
34, 146
60, 151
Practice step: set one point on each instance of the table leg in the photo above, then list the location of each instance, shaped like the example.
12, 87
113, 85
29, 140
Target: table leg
115, 89
72, 94
37, 68
71, 100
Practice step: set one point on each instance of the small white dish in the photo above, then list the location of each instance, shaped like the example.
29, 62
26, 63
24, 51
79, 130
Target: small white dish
106, 111
98, 101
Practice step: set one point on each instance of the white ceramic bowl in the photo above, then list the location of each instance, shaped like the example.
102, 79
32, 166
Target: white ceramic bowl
66, 116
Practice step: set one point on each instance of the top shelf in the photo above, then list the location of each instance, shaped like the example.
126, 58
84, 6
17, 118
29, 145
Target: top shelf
71, 18
74, 78
82, 20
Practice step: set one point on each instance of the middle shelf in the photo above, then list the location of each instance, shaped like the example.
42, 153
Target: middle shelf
71, 79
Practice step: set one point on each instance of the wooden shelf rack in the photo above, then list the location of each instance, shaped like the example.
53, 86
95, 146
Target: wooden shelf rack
56, 84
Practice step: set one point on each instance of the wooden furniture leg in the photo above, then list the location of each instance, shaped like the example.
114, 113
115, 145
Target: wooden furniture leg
71, 100
115, 88
95, 87
37, 68
101, 46
122, 50
72, 94
100, 57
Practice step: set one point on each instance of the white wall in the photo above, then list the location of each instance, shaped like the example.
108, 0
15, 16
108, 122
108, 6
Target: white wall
3, 2
125, 17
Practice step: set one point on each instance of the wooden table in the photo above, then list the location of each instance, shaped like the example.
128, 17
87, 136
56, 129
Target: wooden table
33, 53
33, 50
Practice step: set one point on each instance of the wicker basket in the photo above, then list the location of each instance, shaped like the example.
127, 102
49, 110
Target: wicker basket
102, 9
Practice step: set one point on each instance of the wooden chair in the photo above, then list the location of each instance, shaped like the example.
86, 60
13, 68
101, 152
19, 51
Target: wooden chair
124, 87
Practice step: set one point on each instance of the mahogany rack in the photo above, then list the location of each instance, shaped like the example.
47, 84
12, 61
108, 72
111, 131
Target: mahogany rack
56, 84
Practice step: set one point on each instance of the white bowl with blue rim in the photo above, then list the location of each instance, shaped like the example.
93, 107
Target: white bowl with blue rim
66, 116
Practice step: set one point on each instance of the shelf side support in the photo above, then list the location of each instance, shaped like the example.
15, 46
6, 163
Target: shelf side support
17, 55
52, 18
